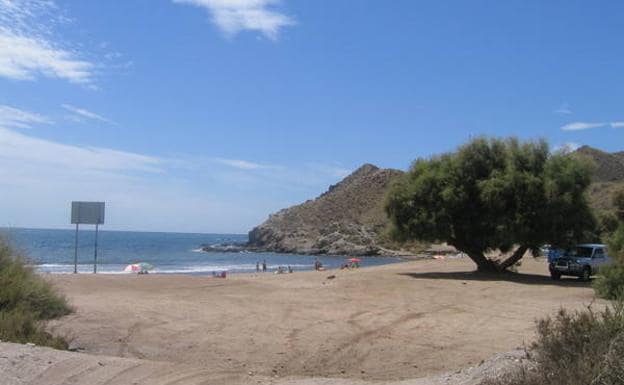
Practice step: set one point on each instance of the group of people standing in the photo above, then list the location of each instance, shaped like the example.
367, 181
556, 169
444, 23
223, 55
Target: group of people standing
264, 266
318, 266
280, 269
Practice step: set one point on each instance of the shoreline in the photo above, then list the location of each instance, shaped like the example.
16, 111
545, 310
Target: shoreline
208, 270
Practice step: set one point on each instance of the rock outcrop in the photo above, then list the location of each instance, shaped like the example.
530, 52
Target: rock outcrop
348, 219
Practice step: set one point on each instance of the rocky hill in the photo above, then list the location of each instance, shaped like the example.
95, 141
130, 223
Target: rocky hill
609, 166
608, 176
347, 219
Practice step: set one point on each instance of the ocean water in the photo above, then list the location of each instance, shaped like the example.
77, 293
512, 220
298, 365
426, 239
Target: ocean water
52, 251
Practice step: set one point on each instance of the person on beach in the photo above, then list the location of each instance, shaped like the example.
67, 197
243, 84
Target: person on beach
257, 266
264, 266
290, 270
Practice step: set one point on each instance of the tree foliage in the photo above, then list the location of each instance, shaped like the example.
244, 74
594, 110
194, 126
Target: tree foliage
610, 283
494, 194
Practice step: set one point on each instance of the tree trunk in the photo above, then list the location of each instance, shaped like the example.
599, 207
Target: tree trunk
487, 265
483, 264
515, 257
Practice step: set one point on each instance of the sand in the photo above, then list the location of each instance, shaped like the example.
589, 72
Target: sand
388, 323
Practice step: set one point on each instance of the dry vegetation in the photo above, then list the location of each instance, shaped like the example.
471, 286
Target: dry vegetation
577, 348
26, 300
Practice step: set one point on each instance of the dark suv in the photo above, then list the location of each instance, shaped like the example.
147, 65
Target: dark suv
582, 261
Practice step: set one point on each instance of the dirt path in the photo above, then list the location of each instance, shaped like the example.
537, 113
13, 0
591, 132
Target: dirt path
388, 323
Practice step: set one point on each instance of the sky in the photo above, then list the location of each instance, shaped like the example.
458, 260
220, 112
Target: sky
208, 115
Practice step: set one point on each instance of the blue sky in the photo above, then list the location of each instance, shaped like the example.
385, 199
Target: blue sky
207, 115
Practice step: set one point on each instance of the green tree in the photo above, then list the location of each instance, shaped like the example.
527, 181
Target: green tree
494, 194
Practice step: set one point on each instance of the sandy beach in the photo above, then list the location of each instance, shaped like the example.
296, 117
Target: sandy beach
389, 323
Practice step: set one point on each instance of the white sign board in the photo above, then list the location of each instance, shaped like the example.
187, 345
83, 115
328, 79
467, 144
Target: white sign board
90, 213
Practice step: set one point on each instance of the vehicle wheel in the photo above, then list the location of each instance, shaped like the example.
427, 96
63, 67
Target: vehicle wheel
555, 275
586, 274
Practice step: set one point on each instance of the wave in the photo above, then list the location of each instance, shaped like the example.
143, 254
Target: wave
58, 268
195, 269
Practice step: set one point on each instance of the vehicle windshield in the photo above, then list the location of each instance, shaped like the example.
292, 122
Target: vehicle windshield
581, 252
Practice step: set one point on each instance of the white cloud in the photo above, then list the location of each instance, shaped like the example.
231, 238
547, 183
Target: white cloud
16, 118
564, 109
241, 164
577, 126
25, 58
84, 113
234, 16
27, 47
30, 150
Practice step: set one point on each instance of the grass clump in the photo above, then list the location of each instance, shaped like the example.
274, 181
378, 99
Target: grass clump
574, 348
26, 300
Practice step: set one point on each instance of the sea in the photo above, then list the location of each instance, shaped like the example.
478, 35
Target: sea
52, 251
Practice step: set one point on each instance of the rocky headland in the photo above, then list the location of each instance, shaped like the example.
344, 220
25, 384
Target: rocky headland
348, 219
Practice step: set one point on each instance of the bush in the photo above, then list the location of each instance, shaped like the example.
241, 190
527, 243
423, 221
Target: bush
25, 301
577, 348
607, 224
610, 282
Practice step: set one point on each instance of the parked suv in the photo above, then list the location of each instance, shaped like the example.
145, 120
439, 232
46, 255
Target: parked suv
582, 261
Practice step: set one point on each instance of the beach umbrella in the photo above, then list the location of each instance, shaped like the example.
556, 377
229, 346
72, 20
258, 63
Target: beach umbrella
138, 267
356, 260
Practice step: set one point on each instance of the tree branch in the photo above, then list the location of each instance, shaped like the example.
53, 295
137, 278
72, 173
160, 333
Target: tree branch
515, 257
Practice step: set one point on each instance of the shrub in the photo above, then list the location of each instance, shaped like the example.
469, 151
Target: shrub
21, 326
610, 282
607, 223
26, 300
574, 348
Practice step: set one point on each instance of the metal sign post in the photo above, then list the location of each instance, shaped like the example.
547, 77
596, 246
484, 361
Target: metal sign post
95, 252
76, 251
91, 213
